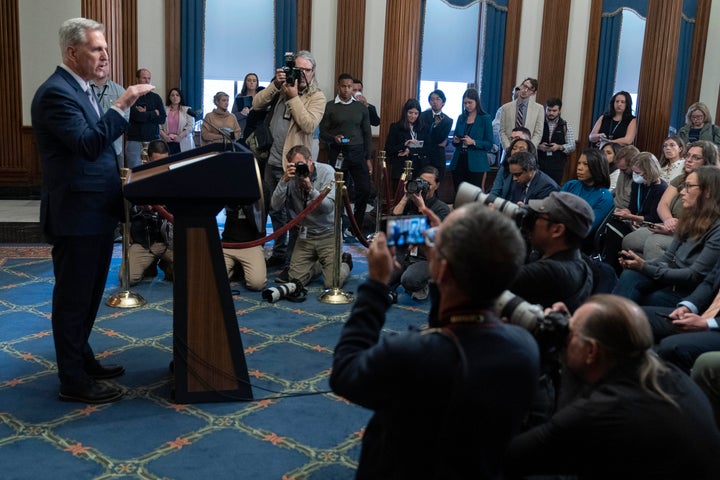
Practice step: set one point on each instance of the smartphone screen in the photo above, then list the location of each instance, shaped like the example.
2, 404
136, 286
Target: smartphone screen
405, 230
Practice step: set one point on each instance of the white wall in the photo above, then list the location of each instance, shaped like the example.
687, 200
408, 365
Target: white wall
151, 43
40, 54
530, 34
576, 55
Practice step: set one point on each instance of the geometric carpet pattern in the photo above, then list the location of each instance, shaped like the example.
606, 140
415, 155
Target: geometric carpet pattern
294, 429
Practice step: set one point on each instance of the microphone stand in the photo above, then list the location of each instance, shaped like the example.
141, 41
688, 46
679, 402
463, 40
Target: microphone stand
226, 136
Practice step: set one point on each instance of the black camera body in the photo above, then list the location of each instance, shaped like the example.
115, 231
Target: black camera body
417, 185
301, 170
292, 73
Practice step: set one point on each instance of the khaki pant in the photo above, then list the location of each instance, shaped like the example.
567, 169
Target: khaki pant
141, 258
310, 252
252, 262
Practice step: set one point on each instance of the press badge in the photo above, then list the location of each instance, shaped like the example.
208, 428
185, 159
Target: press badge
303, 233
414, 251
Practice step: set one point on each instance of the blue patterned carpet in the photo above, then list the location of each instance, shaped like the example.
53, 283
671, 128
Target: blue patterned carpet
288, 347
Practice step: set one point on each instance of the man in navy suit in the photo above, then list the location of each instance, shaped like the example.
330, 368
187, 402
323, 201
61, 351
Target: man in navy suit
528, 183
696, 319
81, 201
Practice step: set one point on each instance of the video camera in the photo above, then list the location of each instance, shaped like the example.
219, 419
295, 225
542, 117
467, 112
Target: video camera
292, 73
417, 185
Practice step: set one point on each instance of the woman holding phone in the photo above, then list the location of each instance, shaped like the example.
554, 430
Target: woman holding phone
472, 141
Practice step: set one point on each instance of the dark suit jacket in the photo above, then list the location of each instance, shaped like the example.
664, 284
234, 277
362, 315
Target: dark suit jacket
540, 187
81, 193
437, 135
395, 143
705, 293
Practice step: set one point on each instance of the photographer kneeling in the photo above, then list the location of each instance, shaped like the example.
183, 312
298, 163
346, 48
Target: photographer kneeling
420, 192
314, 251
447, 400
630, 415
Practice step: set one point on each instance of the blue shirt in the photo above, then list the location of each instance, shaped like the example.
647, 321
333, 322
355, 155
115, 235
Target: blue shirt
600, 199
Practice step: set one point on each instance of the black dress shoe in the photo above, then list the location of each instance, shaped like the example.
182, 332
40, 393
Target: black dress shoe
102, 372
93, 392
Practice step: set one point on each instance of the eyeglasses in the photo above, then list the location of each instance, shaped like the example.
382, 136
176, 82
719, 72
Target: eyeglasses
695, 158
525, 87
688, 186
697, 117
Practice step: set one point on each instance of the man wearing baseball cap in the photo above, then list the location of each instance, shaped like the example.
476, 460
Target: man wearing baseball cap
560, 274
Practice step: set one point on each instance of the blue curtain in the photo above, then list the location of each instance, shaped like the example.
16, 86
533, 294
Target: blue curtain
285, 29
610, 27
192, 19
687, 29
494, 52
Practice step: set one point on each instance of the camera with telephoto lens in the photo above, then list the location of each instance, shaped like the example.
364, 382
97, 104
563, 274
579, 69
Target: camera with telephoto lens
550, 331
417, 185
292, 73
301, 170
524, 217
293, 290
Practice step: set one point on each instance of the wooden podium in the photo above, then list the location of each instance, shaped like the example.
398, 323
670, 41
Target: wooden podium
208, 357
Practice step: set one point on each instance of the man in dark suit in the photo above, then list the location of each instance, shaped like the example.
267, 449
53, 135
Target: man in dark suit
528, 183
693, 327
81, 201
440, 126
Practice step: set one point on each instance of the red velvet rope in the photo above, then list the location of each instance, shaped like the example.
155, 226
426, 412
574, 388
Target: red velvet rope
281, 231
353, 222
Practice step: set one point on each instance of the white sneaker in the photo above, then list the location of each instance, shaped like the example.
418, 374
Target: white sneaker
421, 294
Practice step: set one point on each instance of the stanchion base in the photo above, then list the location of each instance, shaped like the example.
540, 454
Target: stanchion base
125, 299
335, 296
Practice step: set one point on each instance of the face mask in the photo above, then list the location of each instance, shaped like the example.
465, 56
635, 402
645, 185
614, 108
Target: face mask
637, 178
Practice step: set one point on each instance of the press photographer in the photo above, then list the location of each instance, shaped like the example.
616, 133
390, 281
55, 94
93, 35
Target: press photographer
314, 250
413, 273
295, 111
446, 400
555, 228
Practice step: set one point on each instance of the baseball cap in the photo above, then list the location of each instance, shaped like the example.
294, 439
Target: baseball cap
568, 209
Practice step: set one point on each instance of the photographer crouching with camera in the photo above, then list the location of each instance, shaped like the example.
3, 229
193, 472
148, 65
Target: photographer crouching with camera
447, 400
623, 412
314, 250
413, 273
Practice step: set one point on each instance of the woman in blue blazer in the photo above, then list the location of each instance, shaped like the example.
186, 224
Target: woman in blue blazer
472, 140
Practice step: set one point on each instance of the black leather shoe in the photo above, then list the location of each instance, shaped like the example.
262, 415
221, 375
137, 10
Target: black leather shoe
93, 392
103, 372
346, 257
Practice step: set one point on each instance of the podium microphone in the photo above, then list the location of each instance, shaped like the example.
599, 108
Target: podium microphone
227, 134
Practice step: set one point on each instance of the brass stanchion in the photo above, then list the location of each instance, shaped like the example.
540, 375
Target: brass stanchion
407, 171
334, 294
379, 178
125, 298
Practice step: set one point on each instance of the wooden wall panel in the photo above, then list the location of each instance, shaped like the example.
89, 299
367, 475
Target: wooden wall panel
172, 43
109, 13
657, 73
697, 52
512, 46
553, 48
591, 59
14, 167
350, 38
304, 24
129, 42
401, 60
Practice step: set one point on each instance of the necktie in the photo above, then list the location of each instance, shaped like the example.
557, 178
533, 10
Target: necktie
520, 119
91, 96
